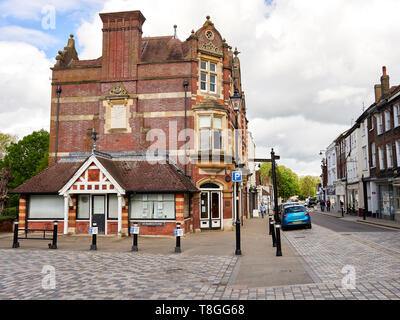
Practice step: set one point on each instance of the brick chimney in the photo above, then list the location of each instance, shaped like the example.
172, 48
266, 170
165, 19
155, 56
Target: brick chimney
385, 81
122, 44
378, 92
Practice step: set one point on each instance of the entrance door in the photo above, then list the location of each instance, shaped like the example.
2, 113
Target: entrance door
99, 213
210, 210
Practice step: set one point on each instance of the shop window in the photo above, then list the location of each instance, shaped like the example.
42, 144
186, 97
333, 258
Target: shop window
152, 206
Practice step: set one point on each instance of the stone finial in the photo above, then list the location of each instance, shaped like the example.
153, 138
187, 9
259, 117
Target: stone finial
208, 22
236, 52
65, 57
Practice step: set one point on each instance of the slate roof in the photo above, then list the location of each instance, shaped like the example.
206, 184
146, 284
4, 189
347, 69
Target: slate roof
132, 176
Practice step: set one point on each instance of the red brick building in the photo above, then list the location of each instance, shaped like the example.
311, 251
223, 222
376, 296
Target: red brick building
149, 100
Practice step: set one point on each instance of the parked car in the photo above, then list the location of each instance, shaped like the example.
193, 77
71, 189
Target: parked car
295, 215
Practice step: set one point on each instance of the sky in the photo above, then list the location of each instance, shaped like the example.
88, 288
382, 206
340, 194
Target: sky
308, 66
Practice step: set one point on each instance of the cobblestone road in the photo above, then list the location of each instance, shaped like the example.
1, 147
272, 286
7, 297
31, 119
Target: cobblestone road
97, 275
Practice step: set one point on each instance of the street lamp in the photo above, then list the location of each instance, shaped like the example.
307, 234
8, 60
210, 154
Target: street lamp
236, 101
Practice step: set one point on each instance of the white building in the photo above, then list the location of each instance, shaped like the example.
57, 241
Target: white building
331, 168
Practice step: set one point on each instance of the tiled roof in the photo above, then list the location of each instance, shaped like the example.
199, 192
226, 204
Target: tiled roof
51, 179
157, 49
132, 176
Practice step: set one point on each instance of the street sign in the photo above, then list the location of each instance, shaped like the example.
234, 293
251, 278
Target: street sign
134, 230
237, 176
93, 230
178, 232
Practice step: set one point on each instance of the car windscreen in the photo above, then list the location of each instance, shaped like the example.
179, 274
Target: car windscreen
295, 209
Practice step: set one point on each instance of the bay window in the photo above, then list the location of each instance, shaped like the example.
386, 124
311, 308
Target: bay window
210, 132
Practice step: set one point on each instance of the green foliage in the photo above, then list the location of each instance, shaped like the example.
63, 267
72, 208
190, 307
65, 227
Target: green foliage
287, 181
25, 156
10, 212
308, 186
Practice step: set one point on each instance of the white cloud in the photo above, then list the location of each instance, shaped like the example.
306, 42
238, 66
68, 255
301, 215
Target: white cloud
24, 88
308, 67
297, 140
30, 36
35, 10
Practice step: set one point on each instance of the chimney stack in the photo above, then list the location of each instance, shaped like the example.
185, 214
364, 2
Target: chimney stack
385, 81
378, 92
122, 44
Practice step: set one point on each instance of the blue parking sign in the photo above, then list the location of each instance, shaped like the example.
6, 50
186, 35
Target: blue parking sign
237, 176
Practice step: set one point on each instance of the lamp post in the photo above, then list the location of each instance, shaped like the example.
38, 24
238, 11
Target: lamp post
277, 219
236, 101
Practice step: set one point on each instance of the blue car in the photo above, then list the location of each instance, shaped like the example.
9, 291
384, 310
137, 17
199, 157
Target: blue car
295, 216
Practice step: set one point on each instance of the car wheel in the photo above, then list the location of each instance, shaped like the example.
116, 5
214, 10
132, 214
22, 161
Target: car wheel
309, 226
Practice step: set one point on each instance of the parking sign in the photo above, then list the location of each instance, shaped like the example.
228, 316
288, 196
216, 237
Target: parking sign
237, 176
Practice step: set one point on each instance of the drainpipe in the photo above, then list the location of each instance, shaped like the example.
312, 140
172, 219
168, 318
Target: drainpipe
185, 86
58, 91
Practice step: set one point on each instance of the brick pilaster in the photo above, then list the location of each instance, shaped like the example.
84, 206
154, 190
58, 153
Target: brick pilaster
125, 217
180, 209
22, 211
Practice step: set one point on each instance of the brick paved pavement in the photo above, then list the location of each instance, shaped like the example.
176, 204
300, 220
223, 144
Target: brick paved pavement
97, 275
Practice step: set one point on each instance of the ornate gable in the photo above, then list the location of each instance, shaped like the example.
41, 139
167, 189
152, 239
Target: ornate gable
210, 40
93, 179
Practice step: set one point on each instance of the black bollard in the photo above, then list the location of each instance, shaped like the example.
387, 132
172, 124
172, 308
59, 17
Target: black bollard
135, 238
178, 239
238, 252
270, 225
278, 240
273, 233
15, 241
94, 238
54, 244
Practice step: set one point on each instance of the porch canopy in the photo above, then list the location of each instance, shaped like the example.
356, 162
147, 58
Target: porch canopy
99, 175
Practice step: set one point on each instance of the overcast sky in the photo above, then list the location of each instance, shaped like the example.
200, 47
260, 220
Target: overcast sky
308, 66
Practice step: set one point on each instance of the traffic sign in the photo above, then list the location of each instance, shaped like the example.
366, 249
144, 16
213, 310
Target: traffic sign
237, 176
93, 230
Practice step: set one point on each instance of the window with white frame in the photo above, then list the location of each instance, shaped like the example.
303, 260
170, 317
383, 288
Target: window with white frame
396, 115
373, 154
208, 76
210, 132
381, 158
379, 121
389, 156
398, 152
387, 121
364, 153
371, 123
46, 207
83, 207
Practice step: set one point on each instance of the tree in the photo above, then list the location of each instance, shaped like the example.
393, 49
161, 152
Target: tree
287, 181
24, 157
308, 185
5, 141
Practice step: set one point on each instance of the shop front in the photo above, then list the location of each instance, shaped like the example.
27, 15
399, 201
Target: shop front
385, 201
